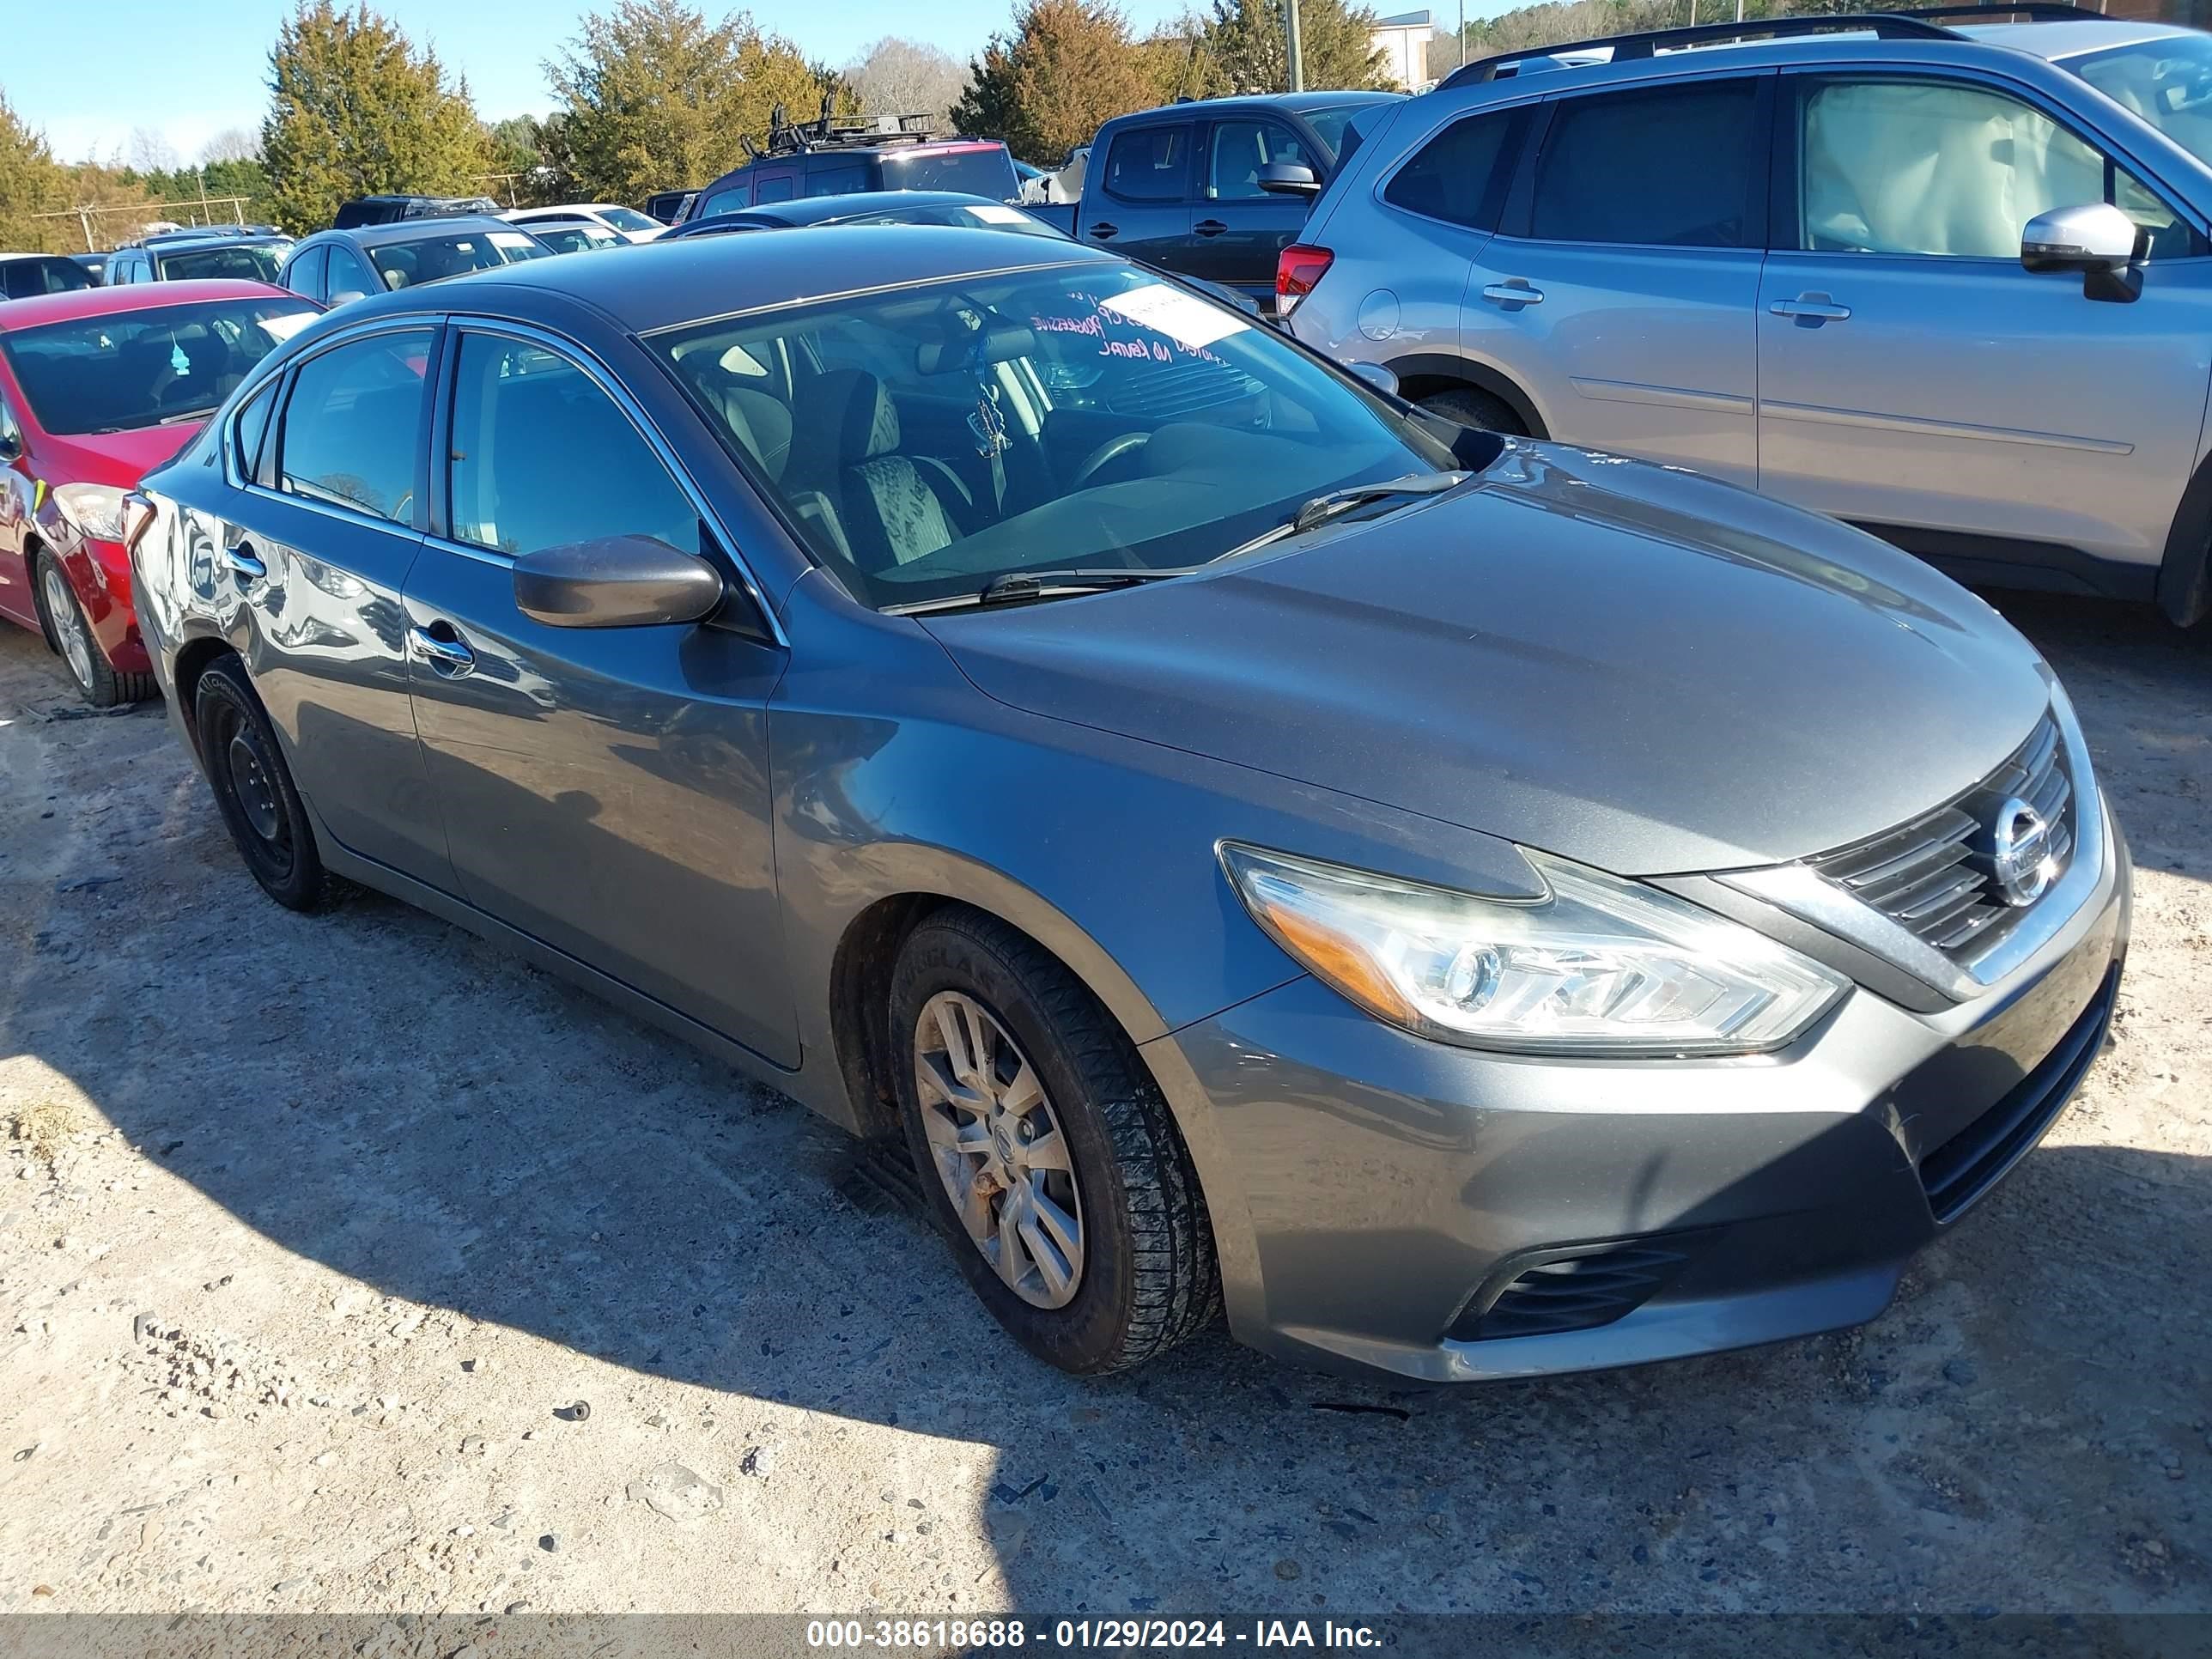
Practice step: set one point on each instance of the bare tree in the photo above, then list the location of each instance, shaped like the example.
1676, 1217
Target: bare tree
151, 152
231, 144
897, 76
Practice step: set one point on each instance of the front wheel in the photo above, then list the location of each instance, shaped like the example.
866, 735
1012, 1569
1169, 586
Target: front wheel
71, 635
1047, 1156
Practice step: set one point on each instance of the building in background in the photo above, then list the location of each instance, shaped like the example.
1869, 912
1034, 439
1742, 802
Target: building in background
1405, 39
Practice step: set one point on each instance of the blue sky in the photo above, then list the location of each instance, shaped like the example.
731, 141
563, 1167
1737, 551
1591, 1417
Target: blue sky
189, 71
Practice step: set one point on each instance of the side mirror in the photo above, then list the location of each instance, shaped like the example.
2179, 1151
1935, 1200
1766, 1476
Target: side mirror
1289, 178
11, 446
2099, 242
616, 581
346, 297
1380, 376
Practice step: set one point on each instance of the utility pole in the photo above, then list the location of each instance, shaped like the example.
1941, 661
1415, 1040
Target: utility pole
1463, 32
1291, 40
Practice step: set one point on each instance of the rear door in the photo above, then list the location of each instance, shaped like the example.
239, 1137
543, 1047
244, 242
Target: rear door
1620, 291
1915, 377
1142, 204
604, 790
319, 553
1236, 228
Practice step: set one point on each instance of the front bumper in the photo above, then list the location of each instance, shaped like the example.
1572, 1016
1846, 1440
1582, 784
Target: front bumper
1383, 1203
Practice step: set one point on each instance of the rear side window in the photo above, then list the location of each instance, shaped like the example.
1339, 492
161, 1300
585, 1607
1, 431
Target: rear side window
841, 180
527, 424
1151, 164
353, 427
774, 190
1618, 168
1459, 174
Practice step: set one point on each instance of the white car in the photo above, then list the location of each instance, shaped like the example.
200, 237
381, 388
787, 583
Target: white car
626, 222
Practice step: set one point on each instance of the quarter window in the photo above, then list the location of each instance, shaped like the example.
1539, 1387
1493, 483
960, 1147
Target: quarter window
1240, 148
1669, 167
542, 457
1947, 170
305, 274
774, 190
251, 427
1152, 164
353, 426
1453, 176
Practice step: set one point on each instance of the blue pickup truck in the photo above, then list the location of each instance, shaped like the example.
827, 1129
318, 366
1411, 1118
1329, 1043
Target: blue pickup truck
1214, 188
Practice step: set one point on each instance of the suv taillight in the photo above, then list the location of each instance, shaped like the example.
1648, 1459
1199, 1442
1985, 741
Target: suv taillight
1297, 268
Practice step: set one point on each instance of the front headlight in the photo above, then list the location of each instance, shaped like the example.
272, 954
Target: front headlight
1602, 966
95, 509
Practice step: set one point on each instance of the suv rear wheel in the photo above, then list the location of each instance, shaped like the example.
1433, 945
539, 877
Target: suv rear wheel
1046, 1155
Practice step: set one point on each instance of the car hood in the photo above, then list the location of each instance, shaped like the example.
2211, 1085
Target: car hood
112, 458
1621, 663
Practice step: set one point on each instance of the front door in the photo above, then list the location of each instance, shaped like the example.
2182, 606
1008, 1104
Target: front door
1912, 374
1620, 291
318, 550
604, 790
1236, 228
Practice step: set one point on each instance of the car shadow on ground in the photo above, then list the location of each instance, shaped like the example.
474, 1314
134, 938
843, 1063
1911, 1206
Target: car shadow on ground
382, 1094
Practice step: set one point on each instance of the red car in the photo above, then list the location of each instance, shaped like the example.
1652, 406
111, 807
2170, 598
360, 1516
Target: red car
97, 388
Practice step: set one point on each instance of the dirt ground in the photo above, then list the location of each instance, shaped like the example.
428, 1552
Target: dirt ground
347, 1264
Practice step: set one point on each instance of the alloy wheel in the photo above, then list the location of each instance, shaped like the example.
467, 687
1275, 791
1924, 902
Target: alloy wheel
68, 624
997, 1147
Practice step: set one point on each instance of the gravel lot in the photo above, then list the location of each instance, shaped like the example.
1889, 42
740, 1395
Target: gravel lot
317, 1237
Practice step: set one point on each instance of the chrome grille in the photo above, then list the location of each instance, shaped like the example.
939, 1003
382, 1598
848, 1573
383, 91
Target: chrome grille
1935, 875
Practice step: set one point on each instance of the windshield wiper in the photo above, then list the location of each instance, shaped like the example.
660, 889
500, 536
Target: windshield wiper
1321, 508
188, 414
1019, 587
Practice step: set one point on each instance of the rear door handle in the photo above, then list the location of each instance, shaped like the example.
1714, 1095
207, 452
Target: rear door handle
1812, 309
1514, 291
244, 562
1209, 226
440, 646
1102, 231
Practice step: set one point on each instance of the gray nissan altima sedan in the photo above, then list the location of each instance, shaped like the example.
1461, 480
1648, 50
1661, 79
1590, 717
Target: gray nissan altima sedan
1469, 908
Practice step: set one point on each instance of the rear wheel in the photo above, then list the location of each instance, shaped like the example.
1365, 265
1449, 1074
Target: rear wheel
71, 636
254, 793
1480, 410
1047, 1156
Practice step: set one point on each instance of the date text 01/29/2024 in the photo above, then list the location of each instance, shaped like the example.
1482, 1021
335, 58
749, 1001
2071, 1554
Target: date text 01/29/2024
964, 1635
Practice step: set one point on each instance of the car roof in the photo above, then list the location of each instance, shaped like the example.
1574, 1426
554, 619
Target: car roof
415, 230
4, 257
660, 283
570, 207
1296, 101
2070, 38
43, 308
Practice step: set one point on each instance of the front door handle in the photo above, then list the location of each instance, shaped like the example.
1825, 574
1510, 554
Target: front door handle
1811, 309
1514, 291
1102, 231
244, 563
1209, 226
440, 646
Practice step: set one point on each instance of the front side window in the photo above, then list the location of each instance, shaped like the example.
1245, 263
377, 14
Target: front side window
1240, 148
734, 200
775, 190
1152, 164
1617, 167
528, 425
1098, 418
1456, 176
139, 368
348, 275
353, 426
21, 279
1949, 170
434, 259
248, 262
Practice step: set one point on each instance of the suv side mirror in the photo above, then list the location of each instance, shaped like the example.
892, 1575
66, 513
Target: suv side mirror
616, 581
1289, 178
2098, 240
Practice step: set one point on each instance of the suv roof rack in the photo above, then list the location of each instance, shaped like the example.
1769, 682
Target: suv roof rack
1918, 23
828, 132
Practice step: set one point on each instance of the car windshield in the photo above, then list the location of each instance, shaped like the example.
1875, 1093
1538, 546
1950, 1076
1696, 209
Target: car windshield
2166, 80
1330, 120
139, 368
251, 262
433, 258
925, 441
987, 171
623, 218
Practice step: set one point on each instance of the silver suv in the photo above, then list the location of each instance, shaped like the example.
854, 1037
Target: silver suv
1950, 284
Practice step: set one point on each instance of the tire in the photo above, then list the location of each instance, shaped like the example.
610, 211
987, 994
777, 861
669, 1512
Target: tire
71, 636
253, 791
1480, 410
1146, 1277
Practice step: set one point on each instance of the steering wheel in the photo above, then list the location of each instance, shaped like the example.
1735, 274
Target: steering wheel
1108, 452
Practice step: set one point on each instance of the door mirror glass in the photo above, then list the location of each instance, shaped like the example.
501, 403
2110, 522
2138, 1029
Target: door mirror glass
2100, 241
616, 581
1289, 178
346, 297
1380, 376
